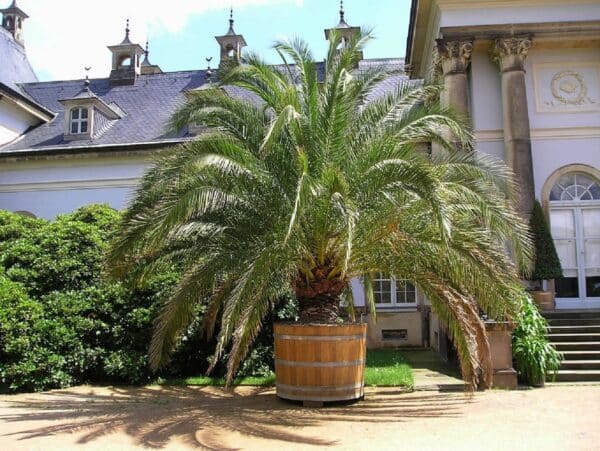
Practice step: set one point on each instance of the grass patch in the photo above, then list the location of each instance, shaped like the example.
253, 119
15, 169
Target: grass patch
388, 367
220, 381
385, 367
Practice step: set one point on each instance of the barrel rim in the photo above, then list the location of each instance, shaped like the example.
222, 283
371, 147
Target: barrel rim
328, 325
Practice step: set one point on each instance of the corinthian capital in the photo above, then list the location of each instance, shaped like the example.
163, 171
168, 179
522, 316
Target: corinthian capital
510, 53
454, 56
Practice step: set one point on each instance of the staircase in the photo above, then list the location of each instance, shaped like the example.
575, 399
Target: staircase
576, 334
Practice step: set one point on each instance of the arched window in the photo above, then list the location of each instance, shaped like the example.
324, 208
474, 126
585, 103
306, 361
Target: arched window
79, 120
575, 187
125, 61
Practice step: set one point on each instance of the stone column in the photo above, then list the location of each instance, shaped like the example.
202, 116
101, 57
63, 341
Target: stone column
454, 58
510, 53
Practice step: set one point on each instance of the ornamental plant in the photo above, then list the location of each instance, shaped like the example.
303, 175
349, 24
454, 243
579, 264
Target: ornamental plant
534, 355
546, 262
304, 182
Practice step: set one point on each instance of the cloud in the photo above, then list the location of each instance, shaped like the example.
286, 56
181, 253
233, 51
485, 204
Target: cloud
62, 36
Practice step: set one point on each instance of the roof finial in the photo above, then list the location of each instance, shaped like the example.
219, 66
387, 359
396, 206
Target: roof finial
341, 10
208, 69
127, 29
146, 53
231, 20
86, 83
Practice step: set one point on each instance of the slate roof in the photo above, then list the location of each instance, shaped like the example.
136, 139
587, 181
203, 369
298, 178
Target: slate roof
14, 65
148, 106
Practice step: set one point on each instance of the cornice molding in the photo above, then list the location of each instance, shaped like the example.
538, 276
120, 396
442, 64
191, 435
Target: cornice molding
540, 134
61, 185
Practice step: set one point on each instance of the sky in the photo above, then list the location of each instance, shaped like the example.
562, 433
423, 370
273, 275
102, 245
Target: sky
64, 36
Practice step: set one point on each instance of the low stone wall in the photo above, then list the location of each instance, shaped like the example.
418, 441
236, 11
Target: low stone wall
393, 329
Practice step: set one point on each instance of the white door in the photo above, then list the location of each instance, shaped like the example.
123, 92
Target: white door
575, 224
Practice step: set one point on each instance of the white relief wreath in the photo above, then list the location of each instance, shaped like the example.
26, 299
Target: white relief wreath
568, 87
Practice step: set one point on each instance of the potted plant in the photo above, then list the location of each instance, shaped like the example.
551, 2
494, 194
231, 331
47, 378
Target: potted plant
305, 182
546, 262
535, 357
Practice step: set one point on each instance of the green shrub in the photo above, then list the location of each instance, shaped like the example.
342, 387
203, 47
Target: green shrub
547, 264
534, 356
62, 323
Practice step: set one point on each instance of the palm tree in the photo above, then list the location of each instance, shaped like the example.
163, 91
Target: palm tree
304, 183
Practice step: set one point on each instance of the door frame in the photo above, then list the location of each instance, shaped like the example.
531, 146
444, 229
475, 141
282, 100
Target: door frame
583, 301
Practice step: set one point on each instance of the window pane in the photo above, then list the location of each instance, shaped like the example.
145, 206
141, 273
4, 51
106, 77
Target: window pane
73, 127
567, 287
405, 292
382, 290
75, 113
592, 287
84, 126
383, 298
84, 113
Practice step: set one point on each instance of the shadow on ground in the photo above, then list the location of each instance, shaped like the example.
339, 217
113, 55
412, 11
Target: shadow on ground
153, 416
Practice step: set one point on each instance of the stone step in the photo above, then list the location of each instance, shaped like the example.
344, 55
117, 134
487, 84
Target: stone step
574, 322
581, 355
582, 314
578, 329
577, 345
580, 365
569, 337
576, 376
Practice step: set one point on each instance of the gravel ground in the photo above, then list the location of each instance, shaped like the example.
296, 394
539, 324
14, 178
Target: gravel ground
179, 418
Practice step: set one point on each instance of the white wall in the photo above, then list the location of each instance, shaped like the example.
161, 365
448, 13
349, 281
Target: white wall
49, 187
13, 121
559, 138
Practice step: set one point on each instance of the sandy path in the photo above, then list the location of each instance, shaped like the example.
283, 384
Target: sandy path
107, 419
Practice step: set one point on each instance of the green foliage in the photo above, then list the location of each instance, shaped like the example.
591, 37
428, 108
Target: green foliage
534, 356
546, 264
62, 323
65, 254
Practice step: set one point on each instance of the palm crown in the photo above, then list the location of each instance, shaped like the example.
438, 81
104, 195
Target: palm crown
318, 182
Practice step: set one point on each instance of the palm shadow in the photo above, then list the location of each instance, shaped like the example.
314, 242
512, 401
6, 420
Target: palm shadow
153, 416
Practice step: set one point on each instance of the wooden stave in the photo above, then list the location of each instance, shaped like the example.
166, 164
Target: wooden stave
299, 382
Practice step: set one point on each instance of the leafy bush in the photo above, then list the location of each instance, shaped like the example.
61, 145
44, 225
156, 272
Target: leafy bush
534, 356
546, 264
62, 323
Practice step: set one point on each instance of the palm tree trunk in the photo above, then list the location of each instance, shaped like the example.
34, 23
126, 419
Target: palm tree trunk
319, 297
323, 309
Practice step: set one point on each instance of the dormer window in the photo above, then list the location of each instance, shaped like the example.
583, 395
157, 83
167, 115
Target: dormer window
87, 116
79, 120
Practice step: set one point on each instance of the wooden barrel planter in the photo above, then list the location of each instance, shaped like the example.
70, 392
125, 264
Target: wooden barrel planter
318, 363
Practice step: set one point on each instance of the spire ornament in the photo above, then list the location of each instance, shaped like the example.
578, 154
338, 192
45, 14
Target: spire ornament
127, 30
209, 71
86, 83
231, 31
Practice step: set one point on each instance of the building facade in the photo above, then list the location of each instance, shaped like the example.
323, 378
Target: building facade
527, 74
